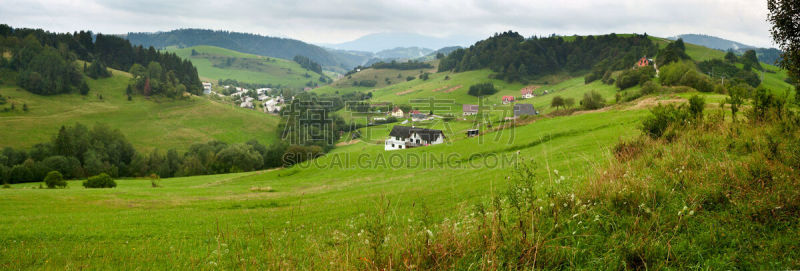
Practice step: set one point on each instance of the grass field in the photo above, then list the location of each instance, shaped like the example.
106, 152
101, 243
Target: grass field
344, 210
210, 222
147, 122
211, 63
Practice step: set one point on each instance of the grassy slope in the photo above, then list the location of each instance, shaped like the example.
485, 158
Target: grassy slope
275, 70
154, 123
137, 225
207, 221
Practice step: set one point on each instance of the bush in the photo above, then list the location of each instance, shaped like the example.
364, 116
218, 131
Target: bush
592, 100
633, 77
482, 89
661, 118
650, 87
54, 179
696, 106
100, 181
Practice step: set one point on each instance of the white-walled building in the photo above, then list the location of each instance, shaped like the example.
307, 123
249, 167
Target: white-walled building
404, 137
397, 112
206, 88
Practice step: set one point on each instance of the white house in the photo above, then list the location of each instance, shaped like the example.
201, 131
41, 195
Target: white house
247, 105
404, 137
206, 88
397, 112
420, 117
527, 93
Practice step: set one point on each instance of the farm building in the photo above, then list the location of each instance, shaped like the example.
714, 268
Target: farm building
473, 132
404, 137
643, 62
508, 99
206, 88
397, 112
524, 110
470, 109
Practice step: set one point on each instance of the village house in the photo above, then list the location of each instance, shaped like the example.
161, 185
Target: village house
643, 62
508, 99
473, 132
526, 93
404, 137
246, 104
470, 109
206, 88
397, 112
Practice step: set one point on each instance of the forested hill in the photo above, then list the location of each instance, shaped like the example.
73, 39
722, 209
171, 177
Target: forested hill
514, 57
241, 42
44, 61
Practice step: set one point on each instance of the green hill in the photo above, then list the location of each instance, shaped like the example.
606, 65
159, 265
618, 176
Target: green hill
214, 63
581, 191
147, 122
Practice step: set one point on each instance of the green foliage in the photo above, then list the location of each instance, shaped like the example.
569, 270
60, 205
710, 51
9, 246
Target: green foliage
557, 101
308, 64
767, 106
633, 77
783, 17
482, 89
663, 117
673, 52
98, 70
54, 179
683, 74
100, 181
47, 72
730, 56
696, 106
514, 57
409, 65
719, 68
239, 157
650, 87
749, 59
365, 83
592, 100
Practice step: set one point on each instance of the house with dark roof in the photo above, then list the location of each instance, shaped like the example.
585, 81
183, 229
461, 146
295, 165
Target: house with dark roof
404, 137
469, 109
524, 110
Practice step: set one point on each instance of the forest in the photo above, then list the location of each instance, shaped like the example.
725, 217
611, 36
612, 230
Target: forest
515, 58
44, 60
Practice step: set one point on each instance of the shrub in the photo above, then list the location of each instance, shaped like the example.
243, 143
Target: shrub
592, 100
650, 87
482, 89
662, 117
633, 77
100, 181
696, 106
54, 179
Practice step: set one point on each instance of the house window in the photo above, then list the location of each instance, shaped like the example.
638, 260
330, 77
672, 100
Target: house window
392, 145
417, 141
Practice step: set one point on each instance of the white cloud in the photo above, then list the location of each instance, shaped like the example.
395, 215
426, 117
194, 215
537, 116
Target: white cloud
334, 21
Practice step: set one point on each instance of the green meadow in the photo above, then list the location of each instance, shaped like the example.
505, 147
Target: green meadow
210, 222
148, 123
212, 65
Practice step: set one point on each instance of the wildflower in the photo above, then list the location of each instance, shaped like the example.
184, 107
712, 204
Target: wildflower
556, 171
691, 212
596, 217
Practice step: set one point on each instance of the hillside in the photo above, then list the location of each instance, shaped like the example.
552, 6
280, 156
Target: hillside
766, 55
240, 42
382, 41
591, 189
147, 122
214, 63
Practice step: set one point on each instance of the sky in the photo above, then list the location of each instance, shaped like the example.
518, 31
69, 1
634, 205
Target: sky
337, 21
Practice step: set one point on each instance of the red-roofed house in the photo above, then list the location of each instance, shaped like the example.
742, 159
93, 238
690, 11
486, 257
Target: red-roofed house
508, 99
643, 62
526, 93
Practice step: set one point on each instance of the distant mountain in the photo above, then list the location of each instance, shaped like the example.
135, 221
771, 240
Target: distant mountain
241, 42
385, 41
766, 55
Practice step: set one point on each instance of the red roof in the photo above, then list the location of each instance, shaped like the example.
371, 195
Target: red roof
508, 98
414, 111
643, 62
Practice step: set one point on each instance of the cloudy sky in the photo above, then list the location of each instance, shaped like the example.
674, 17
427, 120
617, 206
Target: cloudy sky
336, 21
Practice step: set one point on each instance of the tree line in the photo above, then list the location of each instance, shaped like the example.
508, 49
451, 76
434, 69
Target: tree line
515, 58
78, 152
408, 65
31, 48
